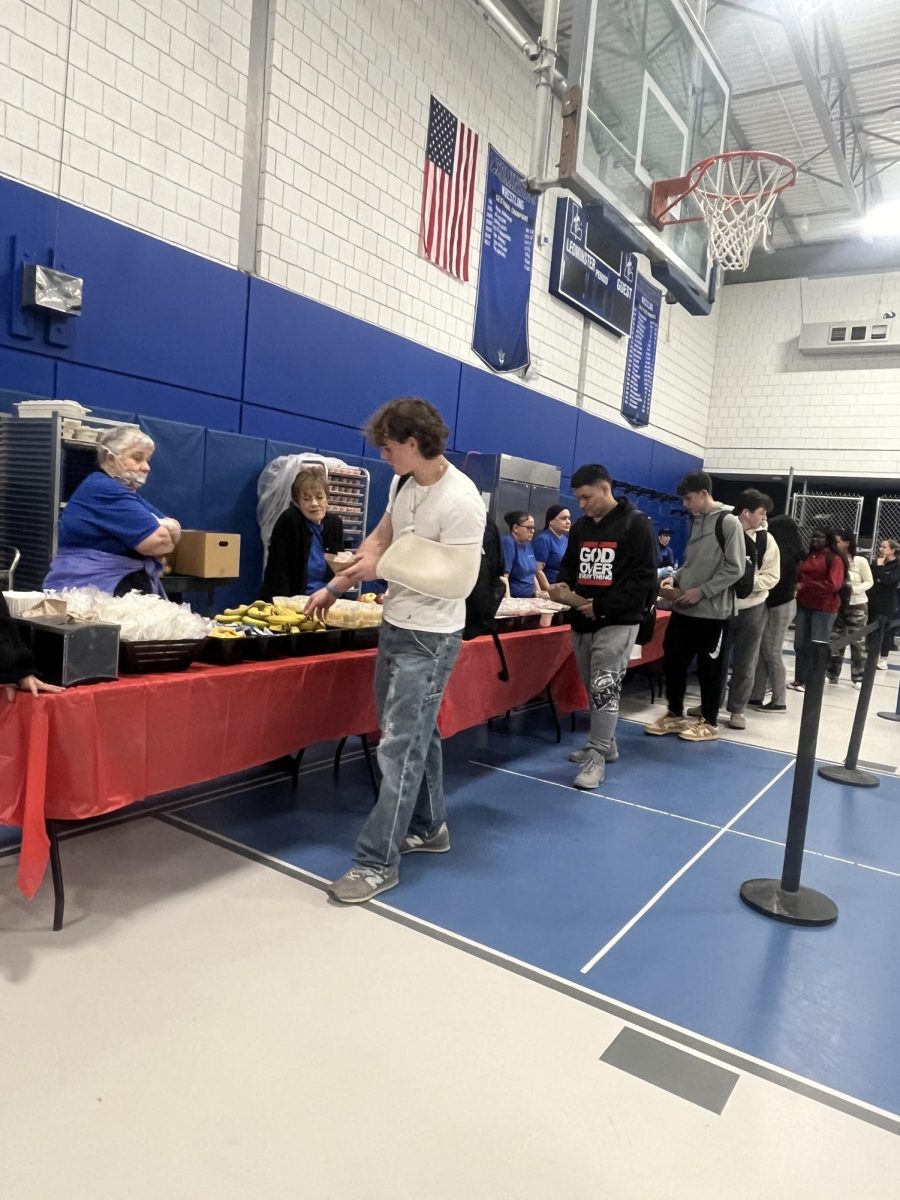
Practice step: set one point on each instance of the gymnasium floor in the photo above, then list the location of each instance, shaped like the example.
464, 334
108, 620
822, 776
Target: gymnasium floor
573, 1002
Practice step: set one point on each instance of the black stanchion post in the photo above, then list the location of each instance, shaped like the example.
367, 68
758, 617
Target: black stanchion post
895, 715
850, 773
785, 899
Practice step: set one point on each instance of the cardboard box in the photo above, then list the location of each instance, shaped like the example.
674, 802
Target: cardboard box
208, 555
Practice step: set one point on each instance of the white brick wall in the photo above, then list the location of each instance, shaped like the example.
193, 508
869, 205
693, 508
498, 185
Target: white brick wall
343, 155
147, 124
147, 127
774, 408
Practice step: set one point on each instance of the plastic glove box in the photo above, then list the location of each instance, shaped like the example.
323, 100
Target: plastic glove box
66, 654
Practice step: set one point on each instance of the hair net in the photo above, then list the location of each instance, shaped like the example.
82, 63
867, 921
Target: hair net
121, 438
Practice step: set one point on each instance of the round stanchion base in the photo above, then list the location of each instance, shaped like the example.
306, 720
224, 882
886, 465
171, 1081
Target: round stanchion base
803, 907
886, 716
854, 777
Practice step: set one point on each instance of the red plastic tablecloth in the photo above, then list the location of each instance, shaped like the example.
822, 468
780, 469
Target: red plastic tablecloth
94, 749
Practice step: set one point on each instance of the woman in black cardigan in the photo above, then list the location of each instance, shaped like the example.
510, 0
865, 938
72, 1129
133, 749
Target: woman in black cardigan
304, 533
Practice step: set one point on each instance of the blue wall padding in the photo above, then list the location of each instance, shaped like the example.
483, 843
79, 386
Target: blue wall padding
232, 467
30, 373
669, 466
499, 417
307, 431
191, 344
275, 449
95, 388
176, 475
151, 309
625, 455
306, 358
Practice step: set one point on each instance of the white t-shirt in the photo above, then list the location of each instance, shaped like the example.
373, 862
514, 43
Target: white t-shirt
450, 511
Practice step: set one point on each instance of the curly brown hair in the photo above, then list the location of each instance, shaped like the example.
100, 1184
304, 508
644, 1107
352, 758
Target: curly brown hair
407, 417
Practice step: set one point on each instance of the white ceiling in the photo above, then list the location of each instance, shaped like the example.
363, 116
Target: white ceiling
853, 63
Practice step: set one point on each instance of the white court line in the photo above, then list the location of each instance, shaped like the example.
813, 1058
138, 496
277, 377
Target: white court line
597, 795
588, 966
640, 1018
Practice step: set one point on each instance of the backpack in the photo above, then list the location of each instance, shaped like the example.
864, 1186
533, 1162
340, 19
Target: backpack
487, 591
647, 625
754, 553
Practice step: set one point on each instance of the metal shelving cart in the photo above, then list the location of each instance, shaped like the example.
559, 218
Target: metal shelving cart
40, 468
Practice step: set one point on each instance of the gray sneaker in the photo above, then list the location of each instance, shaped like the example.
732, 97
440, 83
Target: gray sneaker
592, 771
737, 721
362, 883
580, 756
435, 843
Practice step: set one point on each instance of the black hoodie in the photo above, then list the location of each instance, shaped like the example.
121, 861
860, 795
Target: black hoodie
613, 563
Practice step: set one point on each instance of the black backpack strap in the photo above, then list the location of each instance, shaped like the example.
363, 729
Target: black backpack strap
720, 536
762, 543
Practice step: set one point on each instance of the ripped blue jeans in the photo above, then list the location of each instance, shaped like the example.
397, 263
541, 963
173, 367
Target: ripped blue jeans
602, 658
410, 676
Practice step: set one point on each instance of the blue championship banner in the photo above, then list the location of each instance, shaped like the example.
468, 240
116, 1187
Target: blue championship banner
500, 337
589, 272
640, 361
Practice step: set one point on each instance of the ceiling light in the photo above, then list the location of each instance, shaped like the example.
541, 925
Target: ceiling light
882, 221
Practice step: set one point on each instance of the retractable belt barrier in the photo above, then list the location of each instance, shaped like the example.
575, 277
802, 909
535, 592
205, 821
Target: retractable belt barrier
850, 773
784, 899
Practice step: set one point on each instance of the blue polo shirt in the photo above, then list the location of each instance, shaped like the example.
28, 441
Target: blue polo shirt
520, 565
549, 548
317, 573
103, 514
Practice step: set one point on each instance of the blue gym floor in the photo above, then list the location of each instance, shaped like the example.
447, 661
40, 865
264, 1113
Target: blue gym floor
575, 884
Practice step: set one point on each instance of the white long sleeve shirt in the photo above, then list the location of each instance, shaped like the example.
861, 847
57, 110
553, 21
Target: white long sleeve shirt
767, 574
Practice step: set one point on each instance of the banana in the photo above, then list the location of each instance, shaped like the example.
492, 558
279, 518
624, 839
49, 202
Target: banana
254, 622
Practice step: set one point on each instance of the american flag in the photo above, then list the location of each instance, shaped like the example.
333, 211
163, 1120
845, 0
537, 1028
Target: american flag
448, 191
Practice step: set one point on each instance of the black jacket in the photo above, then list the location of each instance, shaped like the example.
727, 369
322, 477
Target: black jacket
613, 563
15, 657
285, 573
882, 596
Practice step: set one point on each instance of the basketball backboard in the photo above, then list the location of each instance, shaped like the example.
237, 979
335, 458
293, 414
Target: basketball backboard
653, 100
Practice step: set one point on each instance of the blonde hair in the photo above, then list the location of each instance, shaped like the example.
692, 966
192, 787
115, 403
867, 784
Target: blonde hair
306, 480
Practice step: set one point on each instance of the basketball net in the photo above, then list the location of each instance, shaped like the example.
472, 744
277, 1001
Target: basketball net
735, 193
738, 212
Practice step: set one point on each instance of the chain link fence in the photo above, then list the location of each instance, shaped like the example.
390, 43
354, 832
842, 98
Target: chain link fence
887, 520
832, 510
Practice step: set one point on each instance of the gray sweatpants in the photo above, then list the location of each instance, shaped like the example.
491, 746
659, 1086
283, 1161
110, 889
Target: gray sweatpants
746, 634
602, 658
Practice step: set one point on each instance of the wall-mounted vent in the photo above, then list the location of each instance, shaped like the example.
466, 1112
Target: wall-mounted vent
850, 337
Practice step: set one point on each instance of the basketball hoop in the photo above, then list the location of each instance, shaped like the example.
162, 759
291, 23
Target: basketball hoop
735, 192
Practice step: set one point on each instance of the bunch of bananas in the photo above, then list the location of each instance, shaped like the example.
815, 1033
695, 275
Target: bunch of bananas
273, 618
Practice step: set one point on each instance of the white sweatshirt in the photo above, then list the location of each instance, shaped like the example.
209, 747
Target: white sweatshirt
767, 575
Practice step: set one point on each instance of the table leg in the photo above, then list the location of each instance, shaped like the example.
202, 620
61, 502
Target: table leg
337, 754
296, 760
59, 894
554, 715
367, 754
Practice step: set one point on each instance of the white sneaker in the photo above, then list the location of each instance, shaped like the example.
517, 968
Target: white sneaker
882, 664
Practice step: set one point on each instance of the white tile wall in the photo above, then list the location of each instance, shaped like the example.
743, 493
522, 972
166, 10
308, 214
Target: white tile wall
146, 125
136, 111
774, 408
